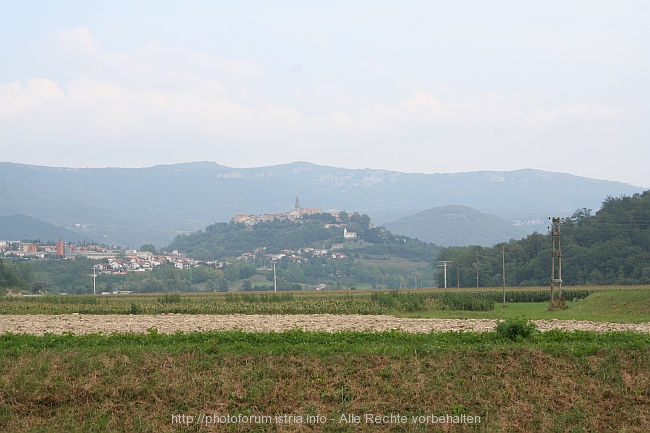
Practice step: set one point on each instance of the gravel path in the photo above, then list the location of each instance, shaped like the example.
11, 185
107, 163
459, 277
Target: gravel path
170, 323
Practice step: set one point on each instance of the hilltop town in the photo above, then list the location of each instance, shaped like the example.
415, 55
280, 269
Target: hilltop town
120, 261
294, 216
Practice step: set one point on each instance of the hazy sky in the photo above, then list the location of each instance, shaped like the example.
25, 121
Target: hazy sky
413, 86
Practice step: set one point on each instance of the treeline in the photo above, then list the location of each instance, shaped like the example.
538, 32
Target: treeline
75, 277
15, 276
610, 247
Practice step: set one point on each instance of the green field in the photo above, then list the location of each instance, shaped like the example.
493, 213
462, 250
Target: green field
623, 306
626, 305
554, 381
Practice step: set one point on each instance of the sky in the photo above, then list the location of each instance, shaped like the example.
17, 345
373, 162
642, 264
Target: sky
411, 86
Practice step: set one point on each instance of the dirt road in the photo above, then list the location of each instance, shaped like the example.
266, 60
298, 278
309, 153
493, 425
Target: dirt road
170, 323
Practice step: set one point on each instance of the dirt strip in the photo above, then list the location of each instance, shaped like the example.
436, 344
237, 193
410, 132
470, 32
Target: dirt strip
170, 323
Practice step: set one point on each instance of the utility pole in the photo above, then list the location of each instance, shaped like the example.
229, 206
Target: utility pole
557, 301
275, 280
94, 275
477, 269
444, 267
503, 268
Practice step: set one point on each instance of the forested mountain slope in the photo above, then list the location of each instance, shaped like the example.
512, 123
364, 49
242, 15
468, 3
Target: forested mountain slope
610, 247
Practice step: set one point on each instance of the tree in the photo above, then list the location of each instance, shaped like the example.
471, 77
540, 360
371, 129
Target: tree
8, 276
149, 247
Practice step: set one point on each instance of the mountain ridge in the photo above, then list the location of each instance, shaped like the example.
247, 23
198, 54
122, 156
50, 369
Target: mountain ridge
134, 206
445, 225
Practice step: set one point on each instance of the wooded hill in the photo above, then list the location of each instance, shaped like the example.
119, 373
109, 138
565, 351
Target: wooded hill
610, 247
229, 239
376, 258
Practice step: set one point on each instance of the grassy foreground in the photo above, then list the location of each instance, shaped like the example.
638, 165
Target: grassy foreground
313, 381
300, 381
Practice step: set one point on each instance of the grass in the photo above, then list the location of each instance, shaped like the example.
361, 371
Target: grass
555, 381
632, 305
514, 380
623, 306
320, 343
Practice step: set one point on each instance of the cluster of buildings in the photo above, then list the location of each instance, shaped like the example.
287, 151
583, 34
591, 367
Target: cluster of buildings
142, 261
293, 215
294, 256
113, 261
32, 249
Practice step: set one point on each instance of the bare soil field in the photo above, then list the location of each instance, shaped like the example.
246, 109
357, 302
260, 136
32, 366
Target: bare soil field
171, 323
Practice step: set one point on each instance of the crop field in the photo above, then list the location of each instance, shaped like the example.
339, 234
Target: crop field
511, 378
460, 303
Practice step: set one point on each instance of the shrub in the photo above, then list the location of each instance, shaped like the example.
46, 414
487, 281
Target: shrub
515, 329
